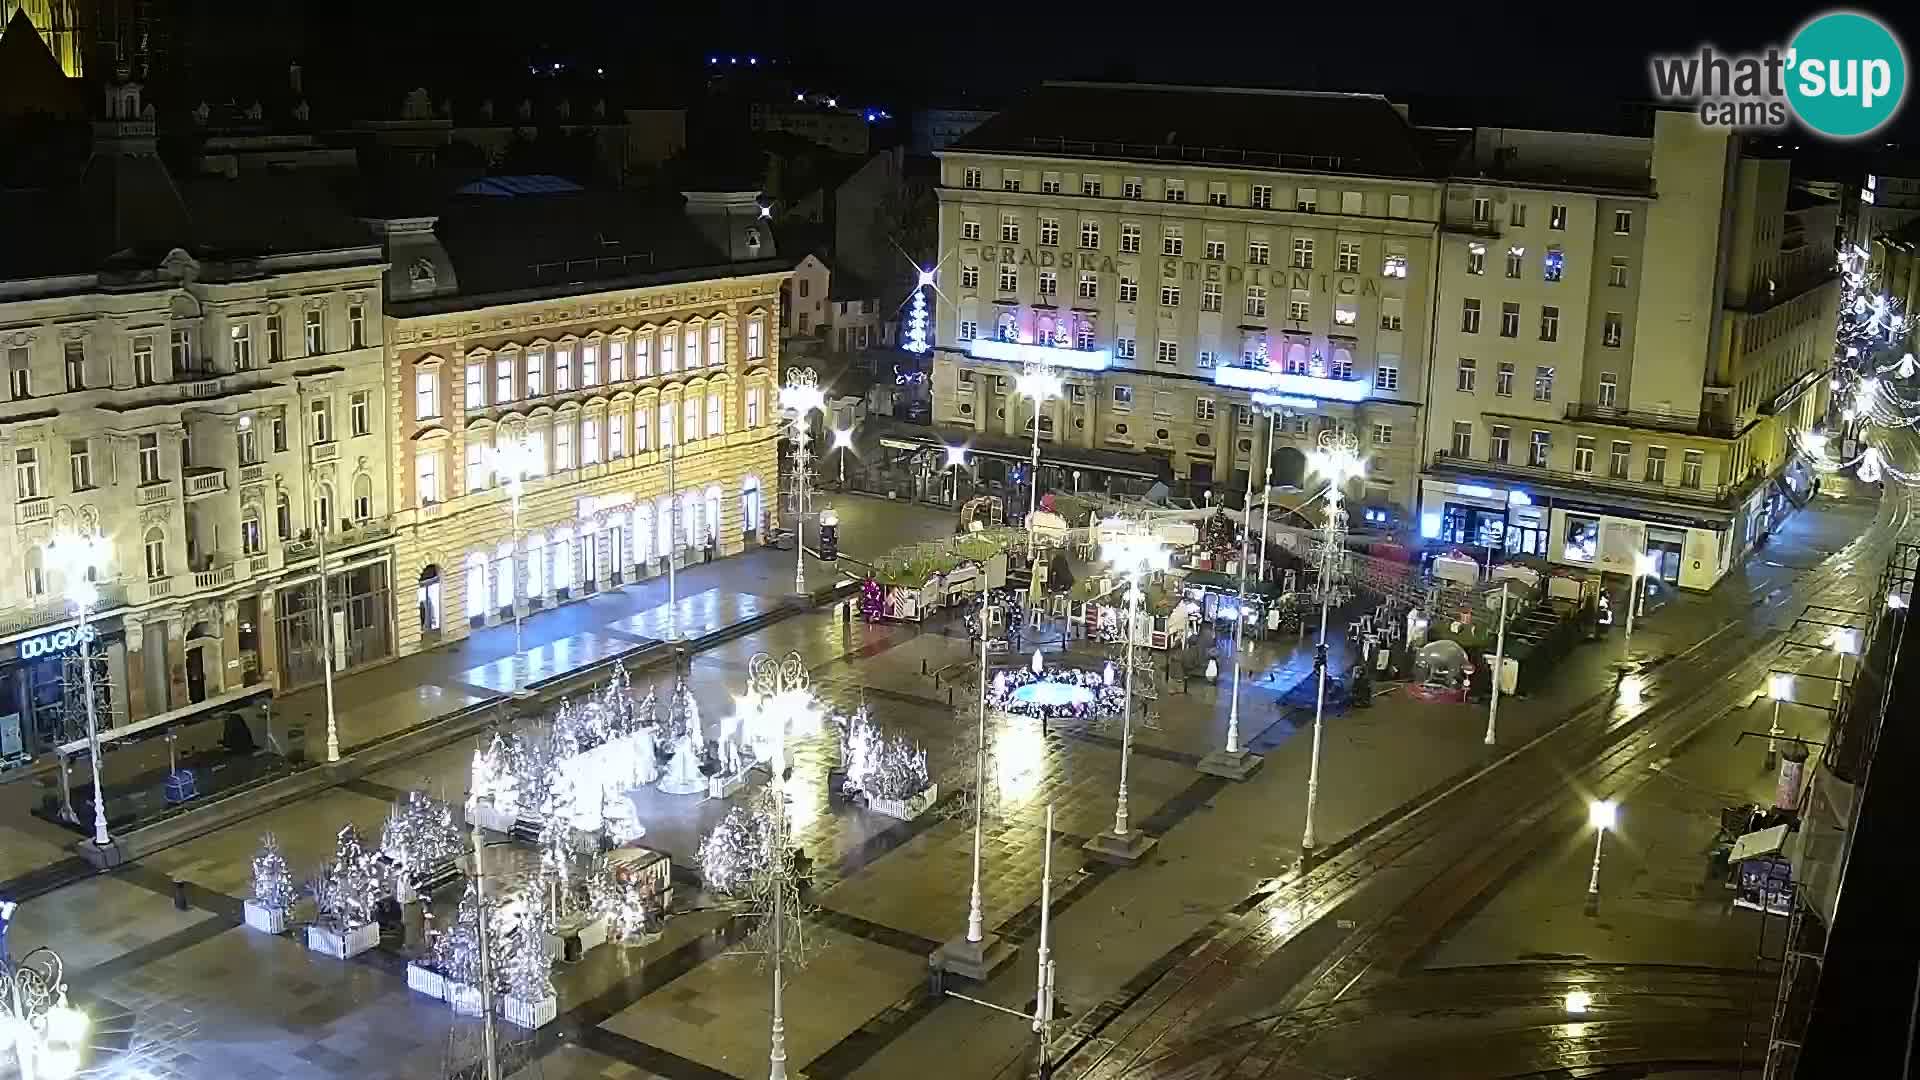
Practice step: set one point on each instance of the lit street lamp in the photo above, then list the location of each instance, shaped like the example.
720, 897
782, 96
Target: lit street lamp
1042, 385
800, 396
978, 954
843, 442
1779, 686
513, 463
956, 459
1845, 642
43, 1031
1602, 815
79, 558
1499, 667
1236, 762
1643, 567
1136, 555
1337, 459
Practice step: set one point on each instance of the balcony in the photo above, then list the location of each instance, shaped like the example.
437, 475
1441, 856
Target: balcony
205, 481
1470, 227
252, 474
15, 620
31, 511
338, 540
1704, 424
155, 491
213, 577
324, 452
1713, 495
1274, 381
259, 564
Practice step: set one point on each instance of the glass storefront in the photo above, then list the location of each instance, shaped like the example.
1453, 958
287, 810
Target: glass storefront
42, 692
362, 604
1463, 523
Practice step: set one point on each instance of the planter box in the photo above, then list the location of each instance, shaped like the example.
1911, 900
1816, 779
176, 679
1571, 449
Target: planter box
265, 919
486, 816
464, 998
343, 944
725, 787
426, 981
905, 809
587, 934
530, 1014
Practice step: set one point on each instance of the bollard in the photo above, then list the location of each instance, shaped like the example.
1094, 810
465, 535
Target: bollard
180, 896
949, 695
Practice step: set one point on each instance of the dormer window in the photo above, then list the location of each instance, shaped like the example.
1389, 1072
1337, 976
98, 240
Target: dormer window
753, 241
421, 274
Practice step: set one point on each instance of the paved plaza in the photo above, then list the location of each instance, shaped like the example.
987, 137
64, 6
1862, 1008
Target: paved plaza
199, 996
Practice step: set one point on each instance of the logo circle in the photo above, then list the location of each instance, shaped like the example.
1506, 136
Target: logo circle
1849, 74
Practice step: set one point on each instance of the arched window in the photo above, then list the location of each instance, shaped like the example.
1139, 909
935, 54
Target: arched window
156, 552
665, 519
252, 538
36, 572
560, 558
693, 509
750, 504
1008, 327
283, 516
427, 595
536, 564
476, 585
713, 513
363, 497
643, 532
716, 413
503, 576
1296, 359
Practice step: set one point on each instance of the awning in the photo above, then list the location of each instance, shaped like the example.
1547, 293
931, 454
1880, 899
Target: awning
169, 719
1757, 844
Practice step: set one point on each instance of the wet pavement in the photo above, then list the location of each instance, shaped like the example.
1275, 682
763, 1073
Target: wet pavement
209, 998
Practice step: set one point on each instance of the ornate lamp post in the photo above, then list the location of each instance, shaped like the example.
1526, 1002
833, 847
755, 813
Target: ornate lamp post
513, 463
778, 704
1136, 555
801, 395
1337, 459
1042, 385
79, 558
44, 1032
843, 442
1236, 762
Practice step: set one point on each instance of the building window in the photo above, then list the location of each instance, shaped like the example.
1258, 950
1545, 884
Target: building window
643, 422
1394, 264
1129, 291
1090, 235
476, 384
1163, 405
1176, 191
276, 334
357, 325
1260, 197
426, 476
1469, 316
1692, 464
669, 350
1169, 353
1348, 259
155, 548
1256, 301
1610, 330
1302, 253
1133, 188
1583, 454
1540, 449
643, 356
1049, 283
279, 424
1203, 410
563, 444
149, 450
182, 357
1399, 206
143, 371
1009, 278
1009, 180
1464, 377
1482, 210
1618, 459
1050, 183
590, 362
1509, 320
477, 478
1083, 336
77, 366
1386, 376
1554, 265
1216, 194
1392, 309
1089, 285
1123, 398
1656, 464
1009, 229
1542, 383
1622, 222
1171, 241
1462, 439
1259, 253
1352, 202
316, 332
1503, 379
1617, 272
1049, 232
970, 179
1299, 307
969, 230
969, 329
1557, 218
503, 380
252, 537
1476, 258
320, 412
563, 362
283, 516
1549, 323
1306, 200
969, 277
690, 418
1169, 295
426, 395
1609, 389
26, 474
1516, 258
1345, 313
20, 373
590, 440
80, 463
1090, 186
363, 497
1129, 239
240, 346
1124, 348
360, 412
1383, 434
617, 357
1500, 437
1517, 214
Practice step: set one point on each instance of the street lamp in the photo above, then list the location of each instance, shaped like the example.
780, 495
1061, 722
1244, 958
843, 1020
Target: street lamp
1643, 567
1337, 459
1602, 814
1845, 642
956, 459
1236, 762
1135, 554
1577, 1002
843, 442
513, 462
309, 422
79, 558
45, 1033
1499, 667
977, 954
1779, 686
800, 396
1042, 385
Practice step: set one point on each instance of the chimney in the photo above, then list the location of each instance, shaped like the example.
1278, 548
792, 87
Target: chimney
736, 222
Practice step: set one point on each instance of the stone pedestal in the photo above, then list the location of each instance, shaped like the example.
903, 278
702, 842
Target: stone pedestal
975, 960
1125, 850
1234, 766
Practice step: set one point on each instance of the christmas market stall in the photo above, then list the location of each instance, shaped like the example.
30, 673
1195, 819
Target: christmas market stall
913, 582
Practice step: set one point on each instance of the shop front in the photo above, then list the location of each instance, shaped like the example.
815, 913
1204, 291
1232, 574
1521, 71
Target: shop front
42, 700
361, 601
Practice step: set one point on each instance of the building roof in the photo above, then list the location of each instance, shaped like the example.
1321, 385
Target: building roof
1313, 132
30, 78
499, 245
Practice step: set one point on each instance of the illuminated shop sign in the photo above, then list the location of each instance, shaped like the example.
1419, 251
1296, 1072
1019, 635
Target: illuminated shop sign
55, 641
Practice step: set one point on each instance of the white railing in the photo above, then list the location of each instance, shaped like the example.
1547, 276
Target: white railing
156, 492
209, 483
252, 474
29, 511
259, 564
326, 451
159, 587
214, 578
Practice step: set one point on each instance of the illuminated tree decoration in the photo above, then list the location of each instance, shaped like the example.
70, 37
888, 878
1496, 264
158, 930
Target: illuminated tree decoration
272, 880
917, 322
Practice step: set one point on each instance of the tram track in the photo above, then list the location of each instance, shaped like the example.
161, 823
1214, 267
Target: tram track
1437, 857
